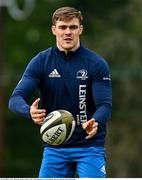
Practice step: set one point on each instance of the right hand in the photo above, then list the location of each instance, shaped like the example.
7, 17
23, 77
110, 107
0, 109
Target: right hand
37, 115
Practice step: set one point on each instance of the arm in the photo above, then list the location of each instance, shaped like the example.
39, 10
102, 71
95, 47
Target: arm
102, 95
29, 82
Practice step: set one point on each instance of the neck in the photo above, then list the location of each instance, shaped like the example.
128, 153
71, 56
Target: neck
68, 50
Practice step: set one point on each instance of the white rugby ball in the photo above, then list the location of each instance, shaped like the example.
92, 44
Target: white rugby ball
57, 127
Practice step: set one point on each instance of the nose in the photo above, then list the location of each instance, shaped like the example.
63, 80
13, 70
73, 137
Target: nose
68, 30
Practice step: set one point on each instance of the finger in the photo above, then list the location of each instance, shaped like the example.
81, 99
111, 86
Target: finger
38, 115
95, 125
35, 103
38, 111
38, 121
92, 133
84, 125
90, 126
89, 137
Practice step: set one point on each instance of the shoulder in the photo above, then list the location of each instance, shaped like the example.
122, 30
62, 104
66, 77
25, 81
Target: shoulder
37, 63
92, 55
94, 59
45, 53
40, 57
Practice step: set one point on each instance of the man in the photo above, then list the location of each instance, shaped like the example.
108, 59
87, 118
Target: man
71, 77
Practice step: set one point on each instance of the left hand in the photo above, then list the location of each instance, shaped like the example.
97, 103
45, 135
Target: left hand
91, 127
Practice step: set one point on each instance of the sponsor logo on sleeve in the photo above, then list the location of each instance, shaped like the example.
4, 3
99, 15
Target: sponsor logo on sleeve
107, 78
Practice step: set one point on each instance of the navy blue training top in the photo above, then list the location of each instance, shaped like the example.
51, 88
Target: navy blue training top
78, 82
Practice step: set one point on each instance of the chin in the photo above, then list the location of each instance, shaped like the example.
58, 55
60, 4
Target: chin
68, 48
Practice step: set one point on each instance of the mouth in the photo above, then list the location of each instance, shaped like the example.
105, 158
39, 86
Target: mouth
68, 39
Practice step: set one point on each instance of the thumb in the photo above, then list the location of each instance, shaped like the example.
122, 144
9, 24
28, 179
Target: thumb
84, 125
35, 103
88, 124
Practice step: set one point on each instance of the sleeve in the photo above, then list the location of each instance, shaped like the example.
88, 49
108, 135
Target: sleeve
102, 92
29, 82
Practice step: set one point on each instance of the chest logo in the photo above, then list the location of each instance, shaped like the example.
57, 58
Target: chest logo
82, 74
54, 74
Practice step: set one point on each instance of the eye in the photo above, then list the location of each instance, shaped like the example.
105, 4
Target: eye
63, 27
73, 27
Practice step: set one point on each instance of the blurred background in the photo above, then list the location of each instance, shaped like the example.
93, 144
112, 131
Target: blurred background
112, 28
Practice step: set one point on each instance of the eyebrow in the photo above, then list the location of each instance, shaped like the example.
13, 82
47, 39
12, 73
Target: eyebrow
71, 27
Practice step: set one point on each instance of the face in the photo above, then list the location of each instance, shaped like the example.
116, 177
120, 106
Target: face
67, 34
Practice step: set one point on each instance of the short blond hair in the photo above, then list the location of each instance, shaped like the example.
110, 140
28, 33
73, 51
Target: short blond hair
65, 14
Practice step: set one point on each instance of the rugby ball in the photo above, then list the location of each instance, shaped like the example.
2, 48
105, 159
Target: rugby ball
57, 127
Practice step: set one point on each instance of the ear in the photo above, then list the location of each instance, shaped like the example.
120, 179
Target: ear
81, 29
53, 29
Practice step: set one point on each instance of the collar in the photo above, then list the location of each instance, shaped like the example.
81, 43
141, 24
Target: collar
69, 53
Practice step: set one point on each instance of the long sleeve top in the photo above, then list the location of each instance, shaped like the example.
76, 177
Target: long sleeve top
78, 82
